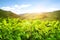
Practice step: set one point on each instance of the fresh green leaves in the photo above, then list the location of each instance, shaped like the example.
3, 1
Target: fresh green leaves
16, 29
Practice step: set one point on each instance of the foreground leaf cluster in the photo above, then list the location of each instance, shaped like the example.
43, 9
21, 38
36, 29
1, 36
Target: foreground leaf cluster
16, 29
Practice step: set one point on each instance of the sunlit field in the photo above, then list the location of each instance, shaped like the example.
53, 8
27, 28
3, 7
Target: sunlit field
16, 29
29, 19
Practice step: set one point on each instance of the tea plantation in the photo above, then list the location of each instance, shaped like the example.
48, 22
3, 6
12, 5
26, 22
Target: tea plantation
16, 29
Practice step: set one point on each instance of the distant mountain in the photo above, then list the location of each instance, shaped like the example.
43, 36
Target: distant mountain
55, 15
5, 14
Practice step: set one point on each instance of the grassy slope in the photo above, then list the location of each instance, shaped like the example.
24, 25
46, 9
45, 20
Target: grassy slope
43, 16
5, 14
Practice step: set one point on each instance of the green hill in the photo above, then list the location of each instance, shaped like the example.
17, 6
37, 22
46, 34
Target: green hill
55, 15
5, 14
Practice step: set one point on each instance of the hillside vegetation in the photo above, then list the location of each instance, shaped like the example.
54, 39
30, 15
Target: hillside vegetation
6, 14
55, 15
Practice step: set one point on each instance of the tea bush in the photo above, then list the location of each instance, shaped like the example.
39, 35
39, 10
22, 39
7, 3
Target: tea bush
16, 29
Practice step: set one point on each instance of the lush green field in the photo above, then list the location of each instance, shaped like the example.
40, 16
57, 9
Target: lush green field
16, 29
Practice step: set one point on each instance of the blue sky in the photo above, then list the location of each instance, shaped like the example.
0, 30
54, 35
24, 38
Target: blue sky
30, 6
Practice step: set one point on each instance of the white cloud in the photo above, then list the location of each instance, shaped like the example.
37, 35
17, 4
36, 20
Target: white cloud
19, 9
22, 6
39, 9
16, 8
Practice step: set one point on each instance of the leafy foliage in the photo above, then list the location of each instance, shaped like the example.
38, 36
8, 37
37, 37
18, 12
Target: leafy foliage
16, 29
